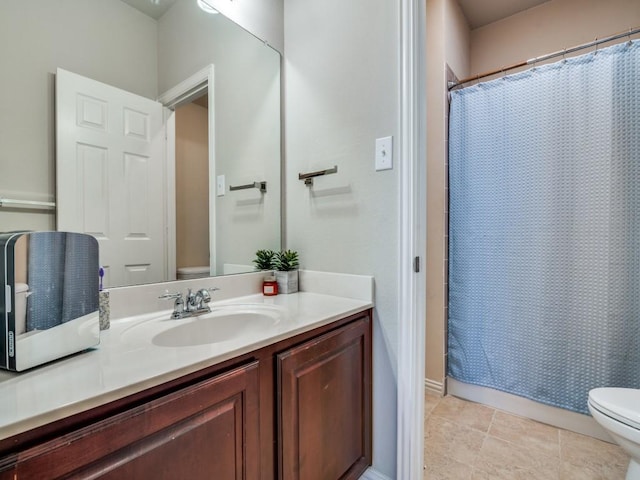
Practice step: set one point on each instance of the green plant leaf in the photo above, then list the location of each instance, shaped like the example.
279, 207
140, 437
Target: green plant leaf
264, 259
285, 260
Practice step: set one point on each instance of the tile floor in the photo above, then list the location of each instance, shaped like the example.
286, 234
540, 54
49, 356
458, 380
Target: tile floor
466, 440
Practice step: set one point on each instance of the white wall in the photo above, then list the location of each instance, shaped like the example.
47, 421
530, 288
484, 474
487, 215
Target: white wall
264, 18
36, 37
247, 121
341, 72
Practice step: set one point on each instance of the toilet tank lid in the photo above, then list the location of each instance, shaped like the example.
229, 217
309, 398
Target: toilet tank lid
192, 270
623, 404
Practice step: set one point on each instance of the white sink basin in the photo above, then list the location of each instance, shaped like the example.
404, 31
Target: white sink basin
213, 328
223, 324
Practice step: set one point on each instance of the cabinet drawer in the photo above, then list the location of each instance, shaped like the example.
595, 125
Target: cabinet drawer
207, 430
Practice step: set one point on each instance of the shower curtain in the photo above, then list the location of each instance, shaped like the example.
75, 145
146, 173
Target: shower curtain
62, 278
544, 229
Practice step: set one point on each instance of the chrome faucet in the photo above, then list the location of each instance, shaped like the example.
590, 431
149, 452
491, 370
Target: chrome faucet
195, 304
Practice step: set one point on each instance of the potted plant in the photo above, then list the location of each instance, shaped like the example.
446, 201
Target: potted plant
264, 259
286, 264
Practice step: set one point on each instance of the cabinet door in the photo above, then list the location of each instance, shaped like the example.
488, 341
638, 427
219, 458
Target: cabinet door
324, 404
7, 472
204, 431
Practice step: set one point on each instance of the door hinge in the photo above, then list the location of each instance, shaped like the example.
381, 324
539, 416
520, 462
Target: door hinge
416, 264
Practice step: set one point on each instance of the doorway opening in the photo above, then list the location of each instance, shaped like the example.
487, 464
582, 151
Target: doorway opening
190, 126
192, 188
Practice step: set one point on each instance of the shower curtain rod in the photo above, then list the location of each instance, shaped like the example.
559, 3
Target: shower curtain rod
542, 58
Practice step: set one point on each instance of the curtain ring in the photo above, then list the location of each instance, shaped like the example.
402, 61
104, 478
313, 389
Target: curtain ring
564, 54
596, 42
629, 35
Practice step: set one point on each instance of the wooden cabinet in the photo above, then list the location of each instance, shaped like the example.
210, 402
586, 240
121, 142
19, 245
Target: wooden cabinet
324, 405
296, 409
208, 430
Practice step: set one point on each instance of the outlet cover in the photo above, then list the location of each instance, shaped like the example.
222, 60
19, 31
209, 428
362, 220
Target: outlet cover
384, 153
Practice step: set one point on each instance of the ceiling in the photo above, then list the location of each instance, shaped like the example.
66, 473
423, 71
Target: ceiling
480, 13
153, 8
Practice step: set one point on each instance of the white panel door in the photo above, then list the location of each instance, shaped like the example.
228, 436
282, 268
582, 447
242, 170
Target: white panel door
110, 175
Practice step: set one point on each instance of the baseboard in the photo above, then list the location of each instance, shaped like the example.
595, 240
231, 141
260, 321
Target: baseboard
433, 386
523, 407
373, 474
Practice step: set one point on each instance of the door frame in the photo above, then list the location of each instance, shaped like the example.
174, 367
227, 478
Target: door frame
182, 93
413, 243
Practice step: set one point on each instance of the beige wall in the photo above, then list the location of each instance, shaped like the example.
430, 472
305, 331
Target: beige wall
341, 93
457, 37
447, 44
549, 27
192, 186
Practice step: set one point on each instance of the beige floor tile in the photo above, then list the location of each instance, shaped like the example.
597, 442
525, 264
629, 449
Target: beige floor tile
465, 413
431, 400
510, 473
570, 471
456, 447
595, 457
444, 438
535, 436
498, 459
444, 468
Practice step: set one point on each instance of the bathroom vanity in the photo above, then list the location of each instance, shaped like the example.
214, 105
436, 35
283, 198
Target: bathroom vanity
289, 402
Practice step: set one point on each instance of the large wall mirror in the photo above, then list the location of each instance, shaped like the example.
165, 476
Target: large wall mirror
216, 197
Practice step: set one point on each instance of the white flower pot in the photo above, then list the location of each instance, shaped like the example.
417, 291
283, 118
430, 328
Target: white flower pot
287, 281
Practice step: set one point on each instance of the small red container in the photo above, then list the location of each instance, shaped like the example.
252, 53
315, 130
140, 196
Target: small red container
270, 286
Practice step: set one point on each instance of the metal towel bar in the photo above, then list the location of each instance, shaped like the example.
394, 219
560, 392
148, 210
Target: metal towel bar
9, 202
308, 177
262, 186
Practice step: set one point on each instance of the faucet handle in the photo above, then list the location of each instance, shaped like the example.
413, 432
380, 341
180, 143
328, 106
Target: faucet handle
171, 295
178, 306
209, 290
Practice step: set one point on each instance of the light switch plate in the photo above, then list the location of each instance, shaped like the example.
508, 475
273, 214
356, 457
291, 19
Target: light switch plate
384, 153
220, 185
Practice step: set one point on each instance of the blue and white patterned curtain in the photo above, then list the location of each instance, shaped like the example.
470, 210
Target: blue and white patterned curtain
544, 235
62, 278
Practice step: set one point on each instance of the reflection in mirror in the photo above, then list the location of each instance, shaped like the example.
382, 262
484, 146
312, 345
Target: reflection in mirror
225, 134
48, 297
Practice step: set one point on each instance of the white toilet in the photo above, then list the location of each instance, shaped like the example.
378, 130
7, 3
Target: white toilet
617, 410
189, 273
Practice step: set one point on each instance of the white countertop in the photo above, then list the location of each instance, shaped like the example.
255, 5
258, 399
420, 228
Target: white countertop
127, 361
